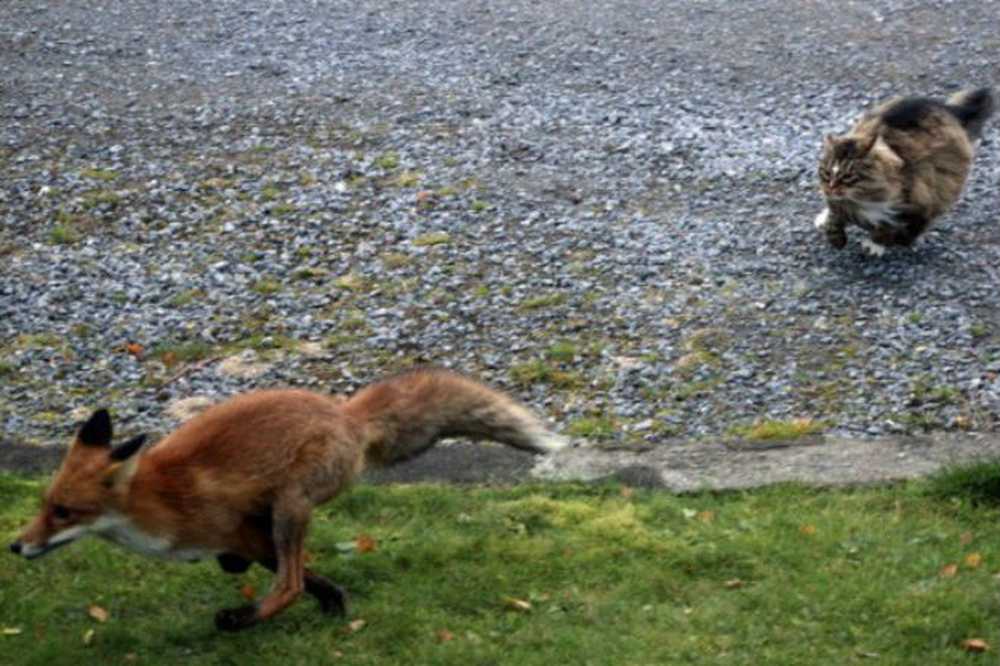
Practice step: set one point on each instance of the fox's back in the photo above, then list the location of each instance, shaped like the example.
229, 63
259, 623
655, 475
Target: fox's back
259, 441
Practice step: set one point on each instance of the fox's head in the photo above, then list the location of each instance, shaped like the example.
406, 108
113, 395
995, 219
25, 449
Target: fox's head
82, 491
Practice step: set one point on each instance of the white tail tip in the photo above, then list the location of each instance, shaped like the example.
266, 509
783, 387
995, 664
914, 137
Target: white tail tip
550, 442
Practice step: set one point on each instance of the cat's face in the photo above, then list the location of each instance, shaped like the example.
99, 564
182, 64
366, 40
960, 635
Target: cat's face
846, 167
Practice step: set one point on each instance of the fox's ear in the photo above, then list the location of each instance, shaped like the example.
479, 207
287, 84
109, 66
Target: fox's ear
128, 449
97, 430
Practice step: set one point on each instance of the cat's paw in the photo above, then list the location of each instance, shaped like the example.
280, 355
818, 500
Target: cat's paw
872, 248
822, 220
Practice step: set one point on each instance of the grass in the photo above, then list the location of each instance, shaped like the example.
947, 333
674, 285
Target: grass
62, 234
540, 372
183, 352
592, 427
100, 197
387, 161
541, 302
551, 574
776, 430
433, 238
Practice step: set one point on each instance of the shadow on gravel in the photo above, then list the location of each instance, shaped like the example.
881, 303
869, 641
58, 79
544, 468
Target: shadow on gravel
27, 459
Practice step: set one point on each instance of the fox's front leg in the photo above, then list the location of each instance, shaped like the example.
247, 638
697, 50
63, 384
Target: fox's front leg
833, 226
291, 520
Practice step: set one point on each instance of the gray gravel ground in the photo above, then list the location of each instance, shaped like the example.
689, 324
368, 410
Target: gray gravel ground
604, 207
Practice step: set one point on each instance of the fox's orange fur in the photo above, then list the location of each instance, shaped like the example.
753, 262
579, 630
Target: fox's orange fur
239, 481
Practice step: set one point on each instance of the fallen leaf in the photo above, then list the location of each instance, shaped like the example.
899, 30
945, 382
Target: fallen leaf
948, 571
627, 492
131, 657
97, 613
973, 560
346, 546
10, 631
365, 543
975, 645
808, 530
248, 592
519, 605
966, 538
443, 636
733, 584
354, 626
135, 349
88, 636
706, 516
169, 359
963, 422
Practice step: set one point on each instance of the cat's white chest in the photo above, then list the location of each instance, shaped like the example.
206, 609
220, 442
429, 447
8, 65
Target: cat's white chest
120, 530
877, 213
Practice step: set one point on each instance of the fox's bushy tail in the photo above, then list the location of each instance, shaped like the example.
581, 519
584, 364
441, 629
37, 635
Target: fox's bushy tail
405, 415
973, 108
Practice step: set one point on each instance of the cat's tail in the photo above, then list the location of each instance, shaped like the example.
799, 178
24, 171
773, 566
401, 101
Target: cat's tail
973, 108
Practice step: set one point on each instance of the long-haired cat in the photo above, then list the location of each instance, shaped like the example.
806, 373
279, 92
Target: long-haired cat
902, 165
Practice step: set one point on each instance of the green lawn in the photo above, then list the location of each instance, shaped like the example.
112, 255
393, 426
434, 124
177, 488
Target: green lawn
554, 575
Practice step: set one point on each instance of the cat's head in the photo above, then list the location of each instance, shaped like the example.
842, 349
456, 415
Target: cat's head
847, 164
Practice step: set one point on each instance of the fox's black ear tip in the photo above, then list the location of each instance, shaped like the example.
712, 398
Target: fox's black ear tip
97, 430
129, 448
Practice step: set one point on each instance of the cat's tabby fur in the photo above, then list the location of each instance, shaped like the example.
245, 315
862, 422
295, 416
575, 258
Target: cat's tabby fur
902, 165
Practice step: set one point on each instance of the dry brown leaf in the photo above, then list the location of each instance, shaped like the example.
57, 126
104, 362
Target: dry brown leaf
97, 613
808, 530
354, 626
973, 560
443, 636
517, 604
169, 359
135, 349
10, 631
948, 571
248, 592
627, 492
733, 584
88, 636
365, 543
975, 645
131, 657
706, 516
966, 538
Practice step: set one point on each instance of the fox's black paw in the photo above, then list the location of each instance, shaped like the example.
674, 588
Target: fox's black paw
233, 564
234, 619
333, 600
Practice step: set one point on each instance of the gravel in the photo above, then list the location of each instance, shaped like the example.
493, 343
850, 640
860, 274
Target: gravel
604, 208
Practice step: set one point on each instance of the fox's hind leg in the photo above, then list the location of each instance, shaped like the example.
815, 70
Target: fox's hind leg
289, 521
331, 597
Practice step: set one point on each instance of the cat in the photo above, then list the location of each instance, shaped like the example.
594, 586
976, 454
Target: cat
901, 166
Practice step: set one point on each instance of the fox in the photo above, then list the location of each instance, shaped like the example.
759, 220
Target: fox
239, 481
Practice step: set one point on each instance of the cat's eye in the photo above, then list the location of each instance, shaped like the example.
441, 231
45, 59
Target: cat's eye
60, 512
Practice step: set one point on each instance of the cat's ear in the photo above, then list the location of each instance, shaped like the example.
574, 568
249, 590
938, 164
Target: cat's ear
864, 144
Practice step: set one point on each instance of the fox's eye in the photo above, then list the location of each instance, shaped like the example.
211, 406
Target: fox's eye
59, 512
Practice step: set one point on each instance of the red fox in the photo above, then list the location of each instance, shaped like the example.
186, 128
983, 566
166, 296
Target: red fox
239, 481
